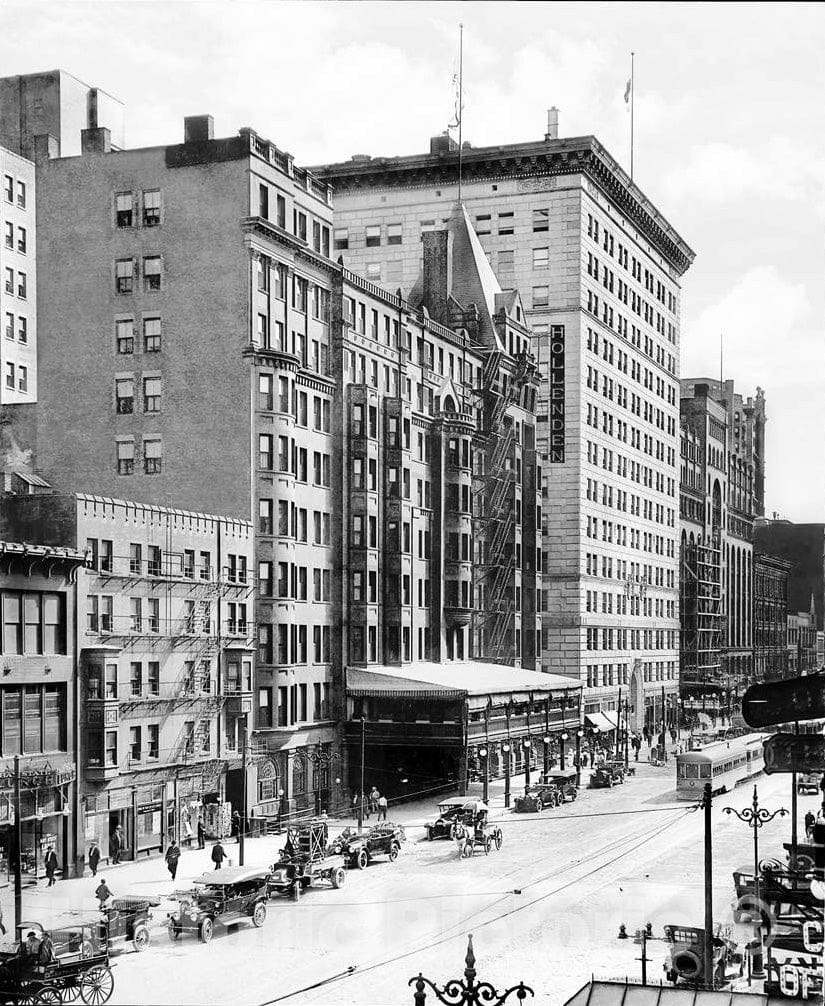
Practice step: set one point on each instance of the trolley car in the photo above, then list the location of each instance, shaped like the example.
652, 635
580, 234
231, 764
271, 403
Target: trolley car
723, 764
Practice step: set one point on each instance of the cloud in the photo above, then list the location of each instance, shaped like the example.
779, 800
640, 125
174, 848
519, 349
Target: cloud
721, 173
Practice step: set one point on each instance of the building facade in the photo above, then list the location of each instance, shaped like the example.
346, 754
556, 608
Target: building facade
599, 269
803, 545
770, 616
18, 293
802, 644
41, 708
165, 646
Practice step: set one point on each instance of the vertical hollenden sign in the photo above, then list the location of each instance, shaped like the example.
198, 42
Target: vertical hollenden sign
556, 416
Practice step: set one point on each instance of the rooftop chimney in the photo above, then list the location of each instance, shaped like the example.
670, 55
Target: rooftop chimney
443, 144
552, 124
198, 128
96, 141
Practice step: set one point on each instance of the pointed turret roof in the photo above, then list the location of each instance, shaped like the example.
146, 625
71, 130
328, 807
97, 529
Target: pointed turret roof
474, 281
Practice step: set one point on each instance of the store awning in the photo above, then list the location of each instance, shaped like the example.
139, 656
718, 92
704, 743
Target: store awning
604, 722
606, 993
455, 680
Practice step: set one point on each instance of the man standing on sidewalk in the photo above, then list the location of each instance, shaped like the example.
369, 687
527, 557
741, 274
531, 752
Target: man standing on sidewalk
382, 808
51, 865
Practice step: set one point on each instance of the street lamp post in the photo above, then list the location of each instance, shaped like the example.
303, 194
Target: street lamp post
563, 736
755, 816
547, 736
579, 735
505, 747
527, 744
361, 792
483, 753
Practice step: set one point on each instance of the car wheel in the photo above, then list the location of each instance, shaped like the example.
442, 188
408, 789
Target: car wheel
362, 860
173, 930
429, 834
259, 915
499, 838
141, 938
338, 877
539, 806
206, 931
393, 853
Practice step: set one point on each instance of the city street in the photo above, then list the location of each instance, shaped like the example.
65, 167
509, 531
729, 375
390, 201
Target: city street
545, 909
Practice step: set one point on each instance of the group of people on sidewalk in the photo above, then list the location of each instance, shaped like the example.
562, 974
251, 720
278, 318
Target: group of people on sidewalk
374, 803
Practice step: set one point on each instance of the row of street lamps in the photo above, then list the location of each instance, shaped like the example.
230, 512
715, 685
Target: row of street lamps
527, 745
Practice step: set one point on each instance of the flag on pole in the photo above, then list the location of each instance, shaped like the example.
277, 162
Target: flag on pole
627, 91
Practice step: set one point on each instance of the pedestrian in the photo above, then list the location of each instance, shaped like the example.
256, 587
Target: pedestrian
51, 865
646, 734
382, 808
186, 821
172, 858
374, 795
236, 825
218, 855
94, 858
673, 735
809, 824
102, 893
201, 834
114, 846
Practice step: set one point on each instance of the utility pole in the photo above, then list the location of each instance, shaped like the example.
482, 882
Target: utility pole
708, 955
242, 830
18, 843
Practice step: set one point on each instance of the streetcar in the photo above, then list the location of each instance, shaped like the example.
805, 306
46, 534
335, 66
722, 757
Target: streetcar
723, 764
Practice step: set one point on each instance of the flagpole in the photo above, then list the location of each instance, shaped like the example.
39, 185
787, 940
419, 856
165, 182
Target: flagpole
632, 103
460, 101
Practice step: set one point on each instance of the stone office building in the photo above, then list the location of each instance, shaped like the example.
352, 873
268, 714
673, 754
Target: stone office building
770, 616
599, 269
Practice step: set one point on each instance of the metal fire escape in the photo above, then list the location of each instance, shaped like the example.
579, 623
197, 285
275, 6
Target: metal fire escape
702, 621
494, 509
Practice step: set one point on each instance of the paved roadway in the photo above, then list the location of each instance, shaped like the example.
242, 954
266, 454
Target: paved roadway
545, 909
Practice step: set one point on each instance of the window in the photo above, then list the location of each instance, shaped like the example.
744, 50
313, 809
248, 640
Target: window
33, 622
483, 223
265, 455
21, 285
373, 235
8, 188
541, 296
124, 275
9, 281
505, 223
125, 457
151, 335
123, 209
125, 336
506, 261
22, 330
10, 375
153, 678
152, 457
265, 516
21, 240
151, 394
136, 678
9, 326
135, 752
9, 234
300, 224
22, 378
541, 220
151, 207
541, 258
106, 555
151, 273
373, 271
125, 395
21, 195
393, 234
153, 740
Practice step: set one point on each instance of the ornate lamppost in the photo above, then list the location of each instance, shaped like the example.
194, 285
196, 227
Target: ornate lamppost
321, 761
484, 755
756, 816
579, 735
466, 991
563, 737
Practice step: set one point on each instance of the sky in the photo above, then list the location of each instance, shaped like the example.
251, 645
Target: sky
730, 144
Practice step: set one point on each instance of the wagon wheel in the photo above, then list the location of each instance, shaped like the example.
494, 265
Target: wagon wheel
362, 860
141, 937
488, 845
70, 989
96, 986
498, 838
48, 994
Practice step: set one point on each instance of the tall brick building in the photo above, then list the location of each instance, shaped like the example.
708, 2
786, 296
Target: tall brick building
385, 449
600, 269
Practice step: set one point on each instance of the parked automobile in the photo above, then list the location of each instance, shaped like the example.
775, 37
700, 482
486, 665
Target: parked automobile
687, 958
609, 773
450, 812
305, 860
808, 782
359, 850
553, 789
127, 921
223, 897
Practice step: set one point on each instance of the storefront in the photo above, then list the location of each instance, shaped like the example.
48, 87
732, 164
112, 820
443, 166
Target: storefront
45, 815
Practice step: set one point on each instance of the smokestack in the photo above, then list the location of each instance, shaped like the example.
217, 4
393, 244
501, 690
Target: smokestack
552, 124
